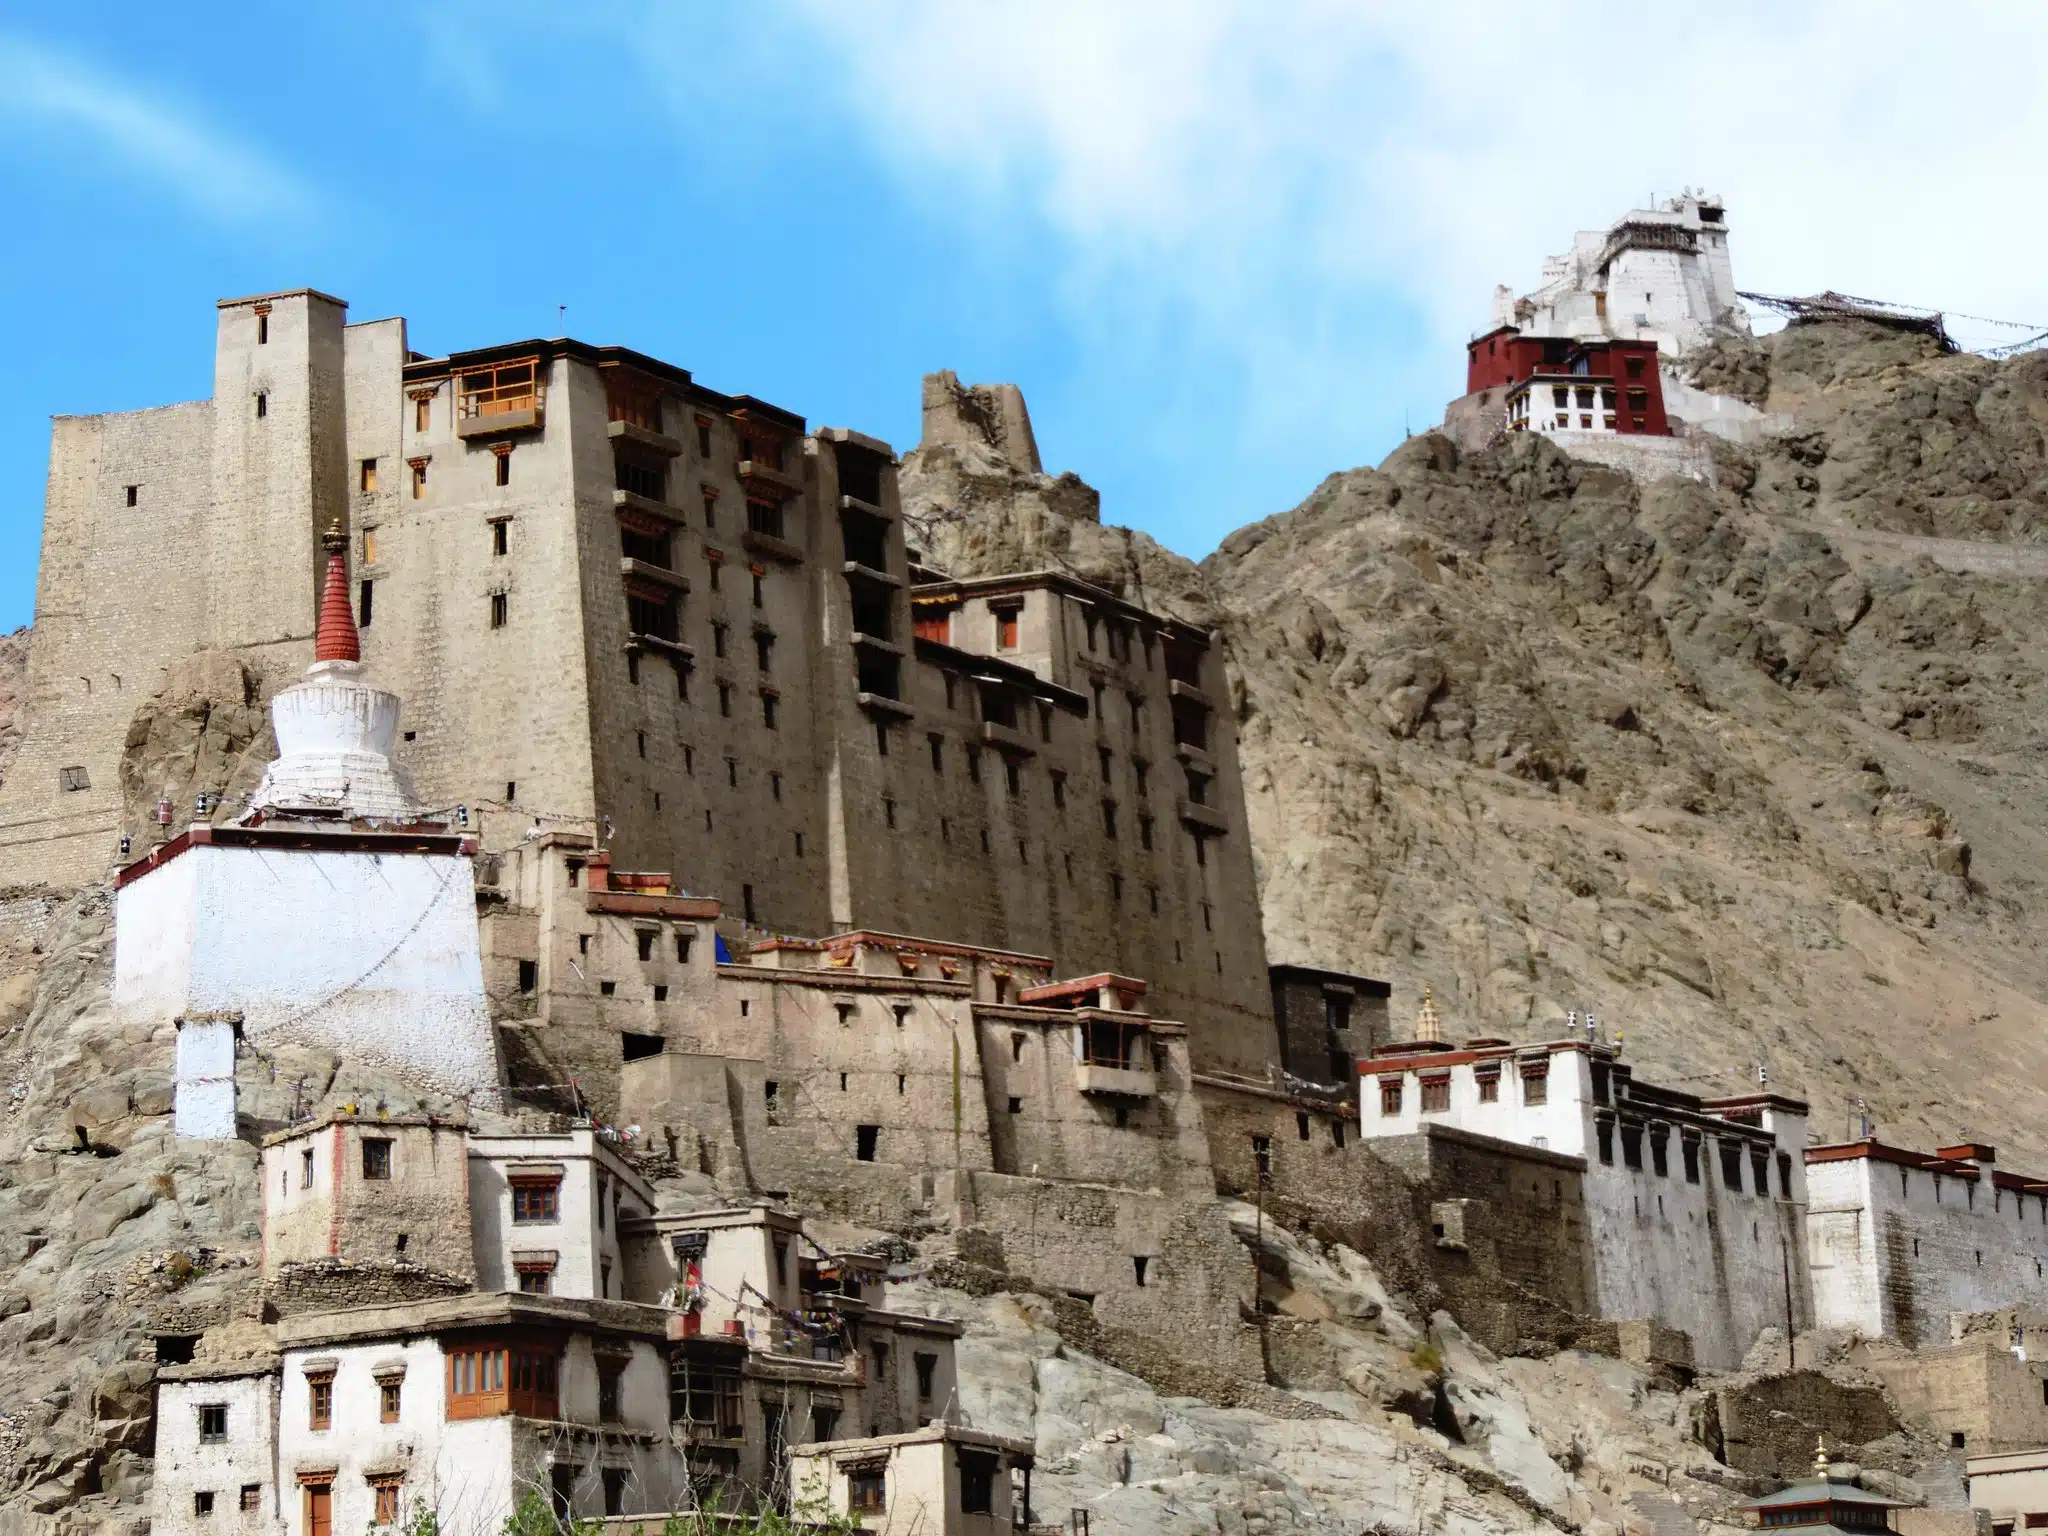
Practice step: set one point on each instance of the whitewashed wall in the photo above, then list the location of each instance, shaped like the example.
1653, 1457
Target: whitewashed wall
1895, 1250
373, 956
185, 1465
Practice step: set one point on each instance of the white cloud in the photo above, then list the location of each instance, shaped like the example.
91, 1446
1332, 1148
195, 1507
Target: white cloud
46, 96
1274, 171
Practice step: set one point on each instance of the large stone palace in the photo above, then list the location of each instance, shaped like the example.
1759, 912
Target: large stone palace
619, 603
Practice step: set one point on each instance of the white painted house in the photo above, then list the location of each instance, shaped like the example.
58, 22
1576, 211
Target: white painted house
942, 1480
1693, 1207
1898, 1240
216, 1447
546, 1210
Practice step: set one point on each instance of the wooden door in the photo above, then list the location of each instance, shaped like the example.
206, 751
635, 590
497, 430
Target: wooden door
319, 1509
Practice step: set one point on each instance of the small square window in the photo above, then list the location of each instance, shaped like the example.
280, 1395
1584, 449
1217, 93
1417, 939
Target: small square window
500, 609
536, 1201
866, 1490
252, 1498
389, 1395
376, 1157
213, 1423
202, 1504
366, 476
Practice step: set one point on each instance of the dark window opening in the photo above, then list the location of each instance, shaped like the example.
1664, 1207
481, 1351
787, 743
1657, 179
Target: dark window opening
977, 1482
860, 474
1731, 1166
376, 1157
364, 594
636, 542
866, 1140
880, 674
864, 539
764, 517
641, 478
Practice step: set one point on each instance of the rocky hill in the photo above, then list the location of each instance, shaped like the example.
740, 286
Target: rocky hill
1750, 771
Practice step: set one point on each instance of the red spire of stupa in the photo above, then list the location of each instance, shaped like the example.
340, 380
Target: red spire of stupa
337, 639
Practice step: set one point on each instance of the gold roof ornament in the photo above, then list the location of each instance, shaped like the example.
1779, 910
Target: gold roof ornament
1820, 1456
1428, 1026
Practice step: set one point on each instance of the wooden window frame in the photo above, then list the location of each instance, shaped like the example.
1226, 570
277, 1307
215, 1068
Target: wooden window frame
488, 1379
867, 1488
319, 1400
499, 389
532, 1184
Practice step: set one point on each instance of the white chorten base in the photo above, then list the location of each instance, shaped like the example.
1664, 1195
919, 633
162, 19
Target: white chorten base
372, 955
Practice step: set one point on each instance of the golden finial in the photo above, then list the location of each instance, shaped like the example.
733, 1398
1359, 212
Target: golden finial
1820, 1456
1427, 1025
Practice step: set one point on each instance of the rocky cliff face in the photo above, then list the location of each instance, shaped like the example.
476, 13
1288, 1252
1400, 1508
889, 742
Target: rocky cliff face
1748, 772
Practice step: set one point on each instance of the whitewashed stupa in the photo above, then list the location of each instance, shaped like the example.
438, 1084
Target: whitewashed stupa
334, 731
328, 916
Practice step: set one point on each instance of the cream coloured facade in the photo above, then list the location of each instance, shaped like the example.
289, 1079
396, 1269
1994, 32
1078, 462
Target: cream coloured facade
943, 1480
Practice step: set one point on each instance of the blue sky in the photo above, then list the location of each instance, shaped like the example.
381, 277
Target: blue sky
1225, 247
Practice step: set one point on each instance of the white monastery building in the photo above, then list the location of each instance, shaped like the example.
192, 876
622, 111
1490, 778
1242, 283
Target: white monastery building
1655, 274
1693, 1207
1899, 1240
